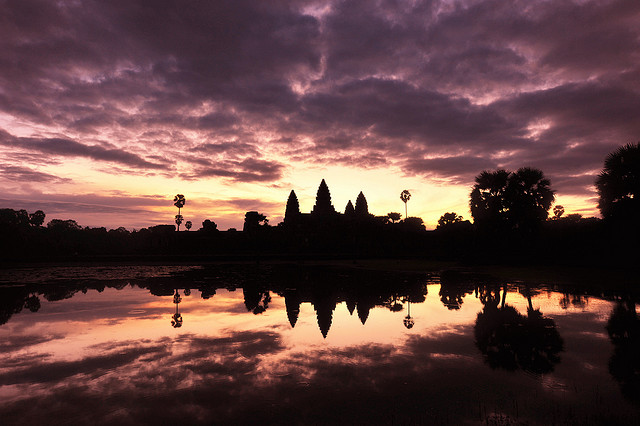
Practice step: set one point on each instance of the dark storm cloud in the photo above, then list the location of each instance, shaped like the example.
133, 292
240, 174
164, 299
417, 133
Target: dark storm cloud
248, 170
228, 148
398, 111
87, 203
25, 174
364, 161
252, 204
462, 169
391, 83
70, 148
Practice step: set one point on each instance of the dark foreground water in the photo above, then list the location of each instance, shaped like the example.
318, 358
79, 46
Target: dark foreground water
278, 344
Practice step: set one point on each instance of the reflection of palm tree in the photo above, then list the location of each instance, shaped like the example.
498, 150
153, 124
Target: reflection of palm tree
575, 300
451, 297
176, 319
510, 340
32, 303
624, 331
392, 303
256, 301
453, 287
408, 321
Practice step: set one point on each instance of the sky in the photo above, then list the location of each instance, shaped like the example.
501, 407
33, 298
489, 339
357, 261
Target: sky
109, 109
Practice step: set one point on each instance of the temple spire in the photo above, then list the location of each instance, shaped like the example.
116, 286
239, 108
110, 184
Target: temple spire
292, 212
349, 211
323, 206
361, 209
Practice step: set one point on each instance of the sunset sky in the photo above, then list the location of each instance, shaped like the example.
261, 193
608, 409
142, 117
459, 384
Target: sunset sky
110, 108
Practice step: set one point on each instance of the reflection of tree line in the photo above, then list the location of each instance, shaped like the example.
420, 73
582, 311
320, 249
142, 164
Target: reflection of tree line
511, 340
624, 331
507, 338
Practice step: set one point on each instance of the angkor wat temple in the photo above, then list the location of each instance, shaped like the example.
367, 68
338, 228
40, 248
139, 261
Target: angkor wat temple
323, 211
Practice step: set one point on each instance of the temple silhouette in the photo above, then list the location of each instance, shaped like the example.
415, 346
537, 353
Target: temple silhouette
323, 212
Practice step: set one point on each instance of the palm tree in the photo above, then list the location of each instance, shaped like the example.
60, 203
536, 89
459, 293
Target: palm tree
188, 224
487, 201
394, 217
529, 198
37, 218
405, 196
619, 183
558, 211
448, 219
519, 200
179, 201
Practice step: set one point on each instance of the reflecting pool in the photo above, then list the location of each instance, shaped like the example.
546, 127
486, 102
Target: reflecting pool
310, 344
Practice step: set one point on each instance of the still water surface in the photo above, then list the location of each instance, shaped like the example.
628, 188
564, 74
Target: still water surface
295, 344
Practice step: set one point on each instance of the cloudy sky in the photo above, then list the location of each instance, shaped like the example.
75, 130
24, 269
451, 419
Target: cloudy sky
108, 109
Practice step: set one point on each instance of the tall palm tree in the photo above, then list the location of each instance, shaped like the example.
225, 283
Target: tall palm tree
619, 183
504, 200
487, 201
529, 198
179, 201
558, 211
405, 196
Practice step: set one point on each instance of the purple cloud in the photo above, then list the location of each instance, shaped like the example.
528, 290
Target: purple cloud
238, 88
70, 148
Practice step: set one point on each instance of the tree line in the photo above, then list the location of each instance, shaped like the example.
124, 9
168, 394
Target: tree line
510, 212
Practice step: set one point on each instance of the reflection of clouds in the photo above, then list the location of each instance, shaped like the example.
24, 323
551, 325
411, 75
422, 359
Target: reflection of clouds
266, 374
59, 370
14, 342
251, 376
22, 360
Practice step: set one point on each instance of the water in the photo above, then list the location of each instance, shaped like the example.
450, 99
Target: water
295, 344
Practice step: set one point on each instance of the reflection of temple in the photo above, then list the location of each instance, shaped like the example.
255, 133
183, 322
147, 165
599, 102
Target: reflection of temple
292, 304
325, 288
325, 304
